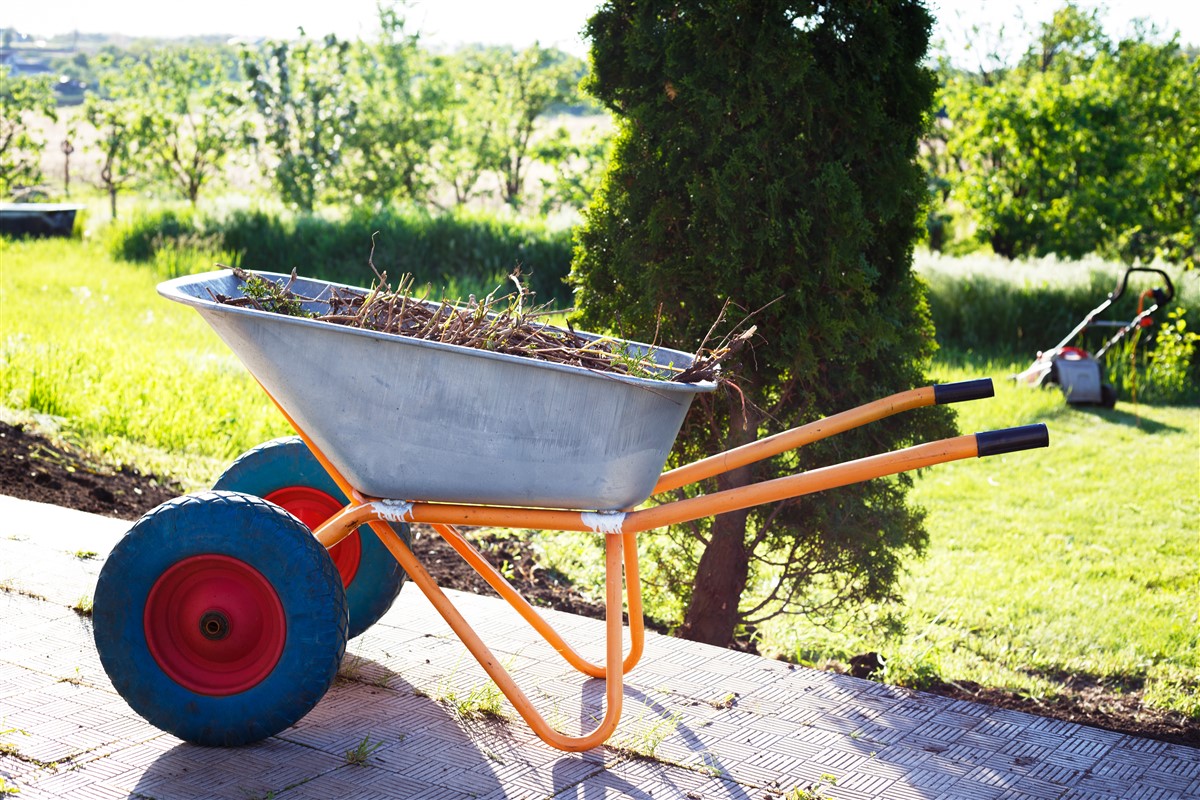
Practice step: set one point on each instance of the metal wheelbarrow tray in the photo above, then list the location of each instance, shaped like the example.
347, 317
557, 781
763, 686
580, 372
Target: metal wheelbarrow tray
403, 417
222, 617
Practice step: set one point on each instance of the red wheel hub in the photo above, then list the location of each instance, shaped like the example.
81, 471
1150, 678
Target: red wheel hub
312, 507
215, 625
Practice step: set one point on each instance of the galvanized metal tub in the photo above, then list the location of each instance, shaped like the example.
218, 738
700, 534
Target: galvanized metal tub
37, 219
409, 419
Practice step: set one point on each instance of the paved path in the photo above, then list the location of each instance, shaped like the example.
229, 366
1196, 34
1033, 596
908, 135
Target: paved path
719, 724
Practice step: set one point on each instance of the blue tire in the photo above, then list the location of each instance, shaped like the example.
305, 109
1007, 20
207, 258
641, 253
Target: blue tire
286, 472
220, 619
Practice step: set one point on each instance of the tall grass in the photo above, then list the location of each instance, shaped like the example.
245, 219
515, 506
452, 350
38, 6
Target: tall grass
1001, 308
453, 254
991, 308
85, 338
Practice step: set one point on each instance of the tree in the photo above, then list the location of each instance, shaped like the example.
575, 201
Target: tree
462, 150
306, 114
115, 111
523, 86
22, 99
766, 155
115, 120
387, 150
579, 163
488, 105
1085, 146
189, 120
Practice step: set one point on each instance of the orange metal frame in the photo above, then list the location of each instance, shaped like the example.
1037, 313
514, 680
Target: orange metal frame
620, 530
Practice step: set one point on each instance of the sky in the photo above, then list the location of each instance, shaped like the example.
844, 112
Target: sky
552, 23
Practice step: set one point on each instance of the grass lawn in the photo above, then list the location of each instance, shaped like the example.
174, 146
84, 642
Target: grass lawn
1076, 560
131, 376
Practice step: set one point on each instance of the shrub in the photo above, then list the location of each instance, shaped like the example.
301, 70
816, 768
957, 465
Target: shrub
767, 154
145, 232
457, 253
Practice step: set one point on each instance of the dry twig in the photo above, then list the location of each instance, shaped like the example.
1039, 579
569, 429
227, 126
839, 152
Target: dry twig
499, 324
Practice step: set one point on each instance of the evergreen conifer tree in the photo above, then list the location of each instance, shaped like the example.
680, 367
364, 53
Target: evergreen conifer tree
766, 155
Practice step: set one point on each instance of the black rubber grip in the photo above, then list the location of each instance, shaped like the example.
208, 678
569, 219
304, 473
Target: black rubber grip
962, 391
1010, 440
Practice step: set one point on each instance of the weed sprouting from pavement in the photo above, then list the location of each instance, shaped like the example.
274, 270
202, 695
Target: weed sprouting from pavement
814, 791
643, 738
359, 755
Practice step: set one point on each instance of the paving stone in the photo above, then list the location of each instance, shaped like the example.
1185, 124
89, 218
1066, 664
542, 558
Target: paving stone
720, 724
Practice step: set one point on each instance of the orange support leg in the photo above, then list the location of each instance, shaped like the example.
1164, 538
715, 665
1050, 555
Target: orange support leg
503, 588
613, 675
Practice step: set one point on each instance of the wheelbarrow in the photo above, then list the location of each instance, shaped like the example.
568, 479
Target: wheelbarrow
222, 617
1077, 372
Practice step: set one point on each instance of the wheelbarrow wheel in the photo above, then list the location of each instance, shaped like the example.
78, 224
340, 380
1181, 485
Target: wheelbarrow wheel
286, 472
220, 619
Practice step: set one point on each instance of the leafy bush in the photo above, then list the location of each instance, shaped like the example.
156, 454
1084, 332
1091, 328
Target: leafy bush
766, 153
458, 253
1086, 146
1157, 368
1172, 368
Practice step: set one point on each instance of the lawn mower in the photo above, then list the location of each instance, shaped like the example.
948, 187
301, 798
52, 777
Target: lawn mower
1077, 372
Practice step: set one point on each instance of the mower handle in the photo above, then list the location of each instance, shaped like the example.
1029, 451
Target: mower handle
1125, 280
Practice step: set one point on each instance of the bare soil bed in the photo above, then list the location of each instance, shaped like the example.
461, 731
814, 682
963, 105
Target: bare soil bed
33, 468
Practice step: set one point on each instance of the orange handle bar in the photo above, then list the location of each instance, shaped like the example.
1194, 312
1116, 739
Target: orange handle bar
823, 428
923, 455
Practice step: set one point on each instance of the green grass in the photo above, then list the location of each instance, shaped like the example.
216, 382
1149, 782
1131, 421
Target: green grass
128, 375
1075, 560
1079, 559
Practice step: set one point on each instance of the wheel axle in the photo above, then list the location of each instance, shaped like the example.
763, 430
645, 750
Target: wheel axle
214, 625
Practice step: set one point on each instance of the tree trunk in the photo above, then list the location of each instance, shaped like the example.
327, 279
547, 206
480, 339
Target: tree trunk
712, 615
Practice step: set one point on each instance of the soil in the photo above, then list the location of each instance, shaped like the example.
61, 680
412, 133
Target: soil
34, 468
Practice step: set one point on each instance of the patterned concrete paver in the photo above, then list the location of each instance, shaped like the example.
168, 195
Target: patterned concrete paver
721, 725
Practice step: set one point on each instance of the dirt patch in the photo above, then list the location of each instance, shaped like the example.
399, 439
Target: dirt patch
33, 468
517, 562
